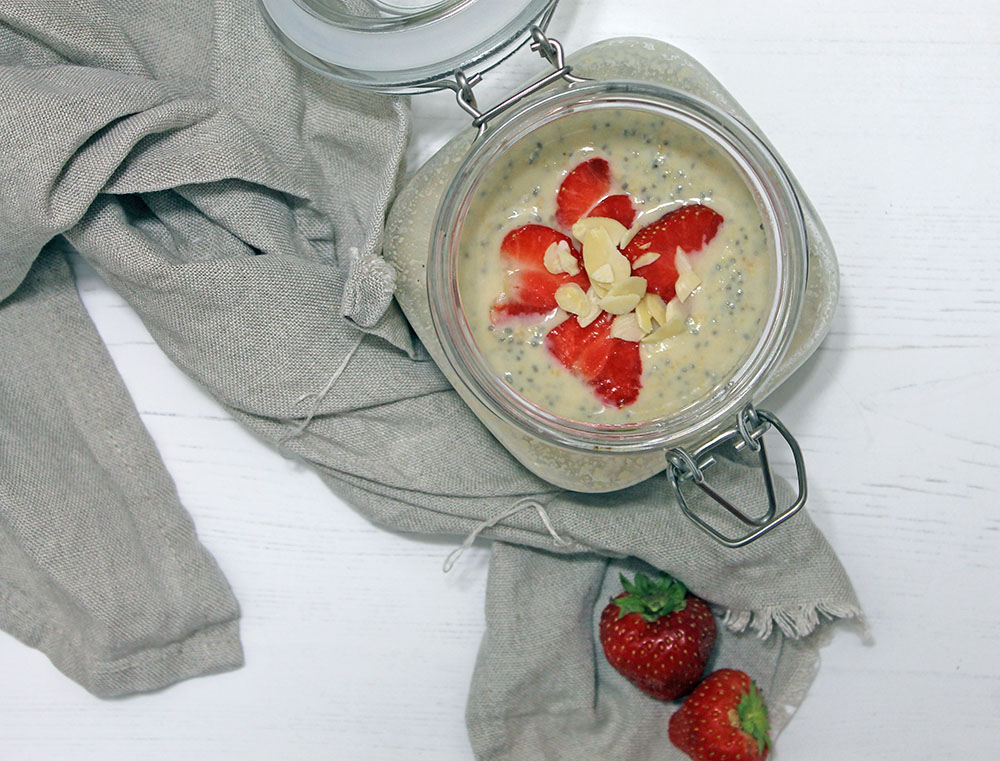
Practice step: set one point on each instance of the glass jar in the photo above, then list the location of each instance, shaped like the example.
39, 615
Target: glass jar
423, 237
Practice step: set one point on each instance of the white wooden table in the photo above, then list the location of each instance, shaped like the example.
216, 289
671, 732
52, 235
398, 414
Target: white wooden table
887, 113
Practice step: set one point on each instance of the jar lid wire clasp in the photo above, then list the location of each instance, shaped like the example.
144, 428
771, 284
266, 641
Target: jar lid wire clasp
547, 47
752, 424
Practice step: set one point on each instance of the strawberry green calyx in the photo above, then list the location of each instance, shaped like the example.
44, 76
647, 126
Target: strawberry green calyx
753, 717
651, 598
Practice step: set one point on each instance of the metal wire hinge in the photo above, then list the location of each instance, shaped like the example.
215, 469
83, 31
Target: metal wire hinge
752, 424
548, 48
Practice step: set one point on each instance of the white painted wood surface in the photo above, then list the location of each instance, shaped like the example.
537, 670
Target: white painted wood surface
358, 647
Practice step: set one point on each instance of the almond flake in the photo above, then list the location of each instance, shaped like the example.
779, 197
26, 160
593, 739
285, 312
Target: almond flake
663, 333
619, 304
681, 262
603, 274
625, 295
553, 257
643, 318
570, 264
674, 323
657, 307
598, 290
571, 298
675, 311
687, 284
598, 251
627, 328
647, 258
615, 229
632, 232
629, 285
593, 310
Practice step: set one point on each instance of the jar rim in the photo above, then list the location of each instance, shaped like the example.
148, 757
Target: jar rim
699, 420
403, 52
391, 17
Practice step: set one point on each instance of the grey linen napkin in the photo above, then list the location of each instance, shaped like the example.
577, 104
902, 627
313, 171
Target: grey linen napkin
236, 201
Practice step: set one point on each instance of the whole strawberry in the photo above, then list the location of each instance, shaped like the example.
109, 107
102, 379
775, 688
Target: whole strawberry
725, 719
658, 636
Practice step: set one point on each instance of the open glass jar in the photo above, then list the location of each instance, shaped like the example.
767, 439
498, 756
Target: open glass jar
435, 222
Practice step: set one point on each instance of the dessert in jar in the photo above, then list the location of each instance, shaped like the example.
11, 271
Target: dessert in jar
628, 265
675, 236
475, 279
607, 341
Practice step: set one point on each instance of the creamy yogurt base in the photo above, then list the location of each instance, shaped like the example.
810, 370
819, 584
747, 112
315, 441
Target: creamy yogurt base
662, 165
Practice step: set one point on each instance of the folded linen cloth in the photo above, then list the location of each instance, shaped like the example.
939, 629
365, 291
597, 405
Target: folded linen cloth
236, 201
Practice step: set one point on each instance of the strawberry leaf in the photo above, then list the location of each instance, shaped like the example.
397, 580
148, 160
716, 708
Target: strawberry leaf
753, 717
651, 598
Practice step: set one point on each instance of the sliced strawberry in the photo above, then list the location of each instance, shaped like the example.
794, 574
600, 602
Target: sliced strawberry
568, 340
527, 244
580, 191
610, 366
530, 288
615, 207
591, 362
689, 228
529, 292
619, 381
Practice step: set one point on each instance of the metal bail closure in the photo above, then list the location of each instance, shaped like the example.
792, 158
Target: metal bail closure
749, 433
548, 48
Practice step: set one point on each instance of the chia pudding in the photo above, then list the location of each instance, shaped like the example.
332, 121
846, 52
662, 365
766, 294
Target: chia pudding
661, 165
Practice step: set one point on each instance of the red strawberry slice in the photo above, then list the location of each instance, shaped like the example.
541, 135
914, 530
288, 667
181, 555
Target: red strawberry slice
531, 289
615, 207
689, 227
610, 366
580, 191
567, 340
619, 382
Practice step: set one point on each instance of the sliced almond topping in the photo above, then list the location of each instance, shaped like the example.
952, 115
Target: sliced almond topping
643, 318
648, 258
681, 262
603, 274
621, 266
598, 251
615, 229
558, 259
687, 284
619, 304
674, 323
657, 307
663, 333
570, 264
675, 311
637, 225
571, 298
630, 285
625, 295
589, 317
627, 328
598, 289
593, 312
552, 259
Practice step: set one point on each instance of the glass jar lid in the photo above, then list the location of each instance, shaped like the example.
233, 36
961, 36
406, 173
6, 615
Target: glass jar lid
402, 46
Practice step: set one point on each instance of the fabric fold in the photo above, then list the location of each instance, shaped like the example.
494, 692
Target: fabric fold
100, 566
